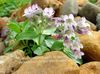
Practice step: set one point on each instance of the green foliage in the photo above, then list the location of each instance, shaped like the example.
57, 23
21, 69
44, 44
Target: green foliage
93, 1
7, 6
33, 41
69, 53
28, 38
36, 36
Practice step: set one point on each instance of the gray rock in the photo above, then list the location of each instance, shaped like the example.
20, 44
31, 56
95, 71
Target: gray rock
89, 11
98, 21
69, 7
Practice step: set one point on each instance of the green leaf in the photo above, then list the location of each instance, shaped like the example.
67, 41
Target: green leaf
39, 39
14, 27
49, 31
49, 42
58, 45
8, 49
26, 25
34, 47
41, 50
70, 54
29, 35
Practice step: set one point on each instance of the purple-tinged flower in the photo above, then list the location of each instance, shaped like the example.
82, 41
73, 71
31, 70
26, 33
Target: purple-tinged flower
57, 21
73, 42
78, 54
32, 10
68, 40
68, 18
82, 26
83, 30
82, 22
69, 23
48, 12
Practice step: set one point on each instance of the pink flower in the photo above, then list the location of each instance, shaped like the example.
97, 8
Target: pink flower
48, 12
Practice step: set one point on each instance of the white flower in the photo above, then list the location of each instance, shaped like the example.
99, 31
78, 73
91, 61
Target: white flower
32, 10
82, 26
78, 54
28, 12
48, 12
66, 18
82, 22
69, 23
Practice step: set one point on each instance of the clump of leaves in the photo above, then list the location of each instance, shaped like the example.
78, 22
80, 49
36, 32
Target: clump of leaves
42, 32
7, 6
93, 1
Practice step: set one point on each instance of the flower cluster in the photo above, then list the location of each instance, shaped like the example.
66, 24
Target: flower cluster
67, 26
70, 27
35, 9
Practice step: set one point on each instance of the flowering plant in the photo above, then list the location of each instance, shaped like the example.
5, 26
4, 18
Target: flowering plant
42, 32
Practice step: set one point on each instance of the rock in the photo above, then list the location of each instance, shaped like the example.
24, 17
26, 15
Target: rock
98, 3
98, 21
91, 46
11, 62
69, 7
92, 26
90, 68
18, 13
3, 33
3, 22
82, 2
54, 62
89, 11
47, 3
2, 46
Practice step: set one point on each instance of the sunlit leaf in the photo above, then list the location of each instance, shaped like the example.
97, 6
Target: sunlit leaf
57, 45
49, 31
41, 50
14, 27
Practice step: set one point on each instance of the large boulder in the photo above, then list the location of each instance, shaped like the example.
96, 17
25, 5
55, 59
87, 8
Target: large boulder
90, 11
82, 2
90, 68
69, 7
98, 21
91, 46
11, 62
54, 62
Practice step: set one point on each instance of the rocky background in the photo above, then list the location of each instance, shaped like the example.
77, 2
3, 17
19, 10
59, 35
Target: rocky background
56, 62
